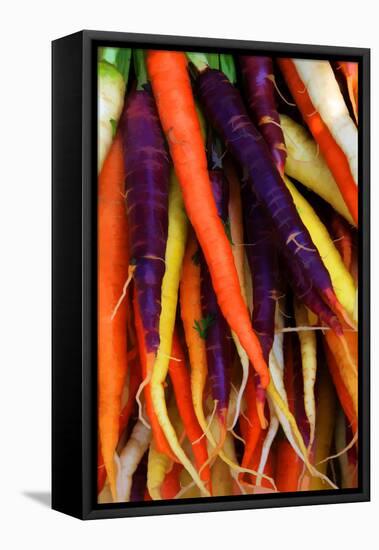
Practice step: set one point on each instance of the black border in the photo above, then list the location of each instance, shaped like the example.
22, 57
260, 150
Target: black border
74, 275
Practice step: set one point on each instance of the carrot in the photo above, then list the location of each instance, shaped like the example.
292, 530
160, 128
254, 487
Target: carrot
134, 382
326, 413
113, 74
348, 459
113, 269
173, 93
157, 467
236, 234
350, 71
308, 346
171, 483
258, 76
250, 423
126, 411
268, 473
342, 281
276, 362
182, 388
345, 352
224, 107
213, 327
343, 239
190, 309
158, 434
289, 465
288, 468
341, 389
130, 457
262, 257
334, 151
305, 164
169, 294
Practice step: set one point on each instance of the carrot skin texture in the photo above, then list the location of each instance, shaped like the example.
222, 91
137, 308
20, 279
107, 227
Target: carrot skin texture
333, 154
147, 179
113, 262
217, 339
176, 106
258, 74
224, 107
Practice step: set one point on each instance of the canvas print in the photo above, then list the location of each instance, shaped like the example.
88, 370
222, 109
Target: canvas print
227, 275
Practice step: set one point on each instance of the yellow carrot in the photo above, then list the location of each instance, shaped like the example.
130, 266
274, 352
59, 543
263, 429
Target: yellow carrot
306, 164
176, 240
308, 347
342, 281
326, 412
158, 464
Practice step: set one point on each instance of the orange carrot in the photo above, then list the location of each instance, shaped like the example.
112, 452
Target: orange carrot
171, 484
159, 437
180, 122
134, 381
334, 156
342, 239
113, 267
190, 309
342, 393
250, 425
182, 389
269, 466
345, 352
350, 71
288, 466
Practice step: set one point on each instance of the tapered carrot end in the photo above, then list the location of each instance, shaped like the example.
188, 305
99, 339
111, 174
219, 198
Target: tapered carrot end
261, 414
340, 310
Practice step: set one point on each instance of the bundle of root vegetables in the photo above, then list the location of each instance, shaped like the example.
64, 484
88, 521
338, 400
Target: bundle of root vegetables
227, 275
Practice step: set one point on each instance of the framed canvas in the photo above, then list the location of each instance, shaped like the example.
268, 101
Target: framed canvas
210, 275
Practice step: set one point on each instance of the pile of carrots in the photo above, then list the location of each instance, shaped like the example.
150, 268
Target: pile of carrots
227, 275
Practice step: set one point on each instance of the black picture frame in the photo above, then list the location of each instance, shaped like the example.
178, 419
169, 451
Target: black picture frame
74, 341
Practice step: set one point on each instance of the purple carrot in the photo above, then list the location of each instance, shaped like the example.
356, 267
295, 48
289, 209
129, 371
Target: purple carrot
223, 106
262, 257
258, 78
213, 327
147, 178
305, 292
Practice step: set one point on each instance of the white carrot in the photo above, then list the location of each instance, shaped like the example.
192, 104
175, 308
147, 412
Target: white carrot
129, 459
324, 92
